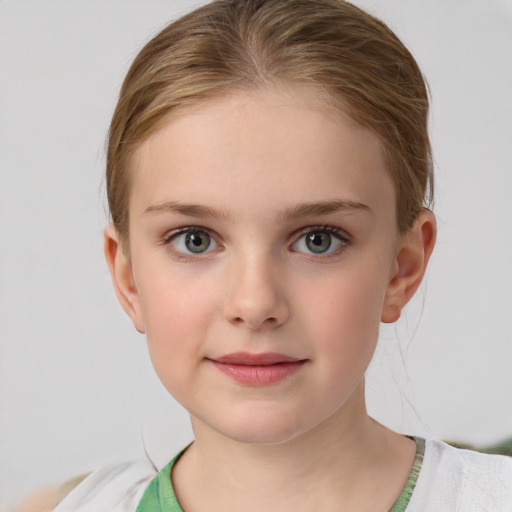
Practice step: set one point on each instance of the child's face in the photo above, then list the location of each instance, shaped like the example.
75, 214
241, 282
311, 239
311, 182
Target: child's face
259, 224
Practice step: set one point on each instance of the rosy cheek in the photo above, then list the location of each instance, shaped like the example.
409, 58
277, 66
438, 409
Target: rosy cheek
176, 313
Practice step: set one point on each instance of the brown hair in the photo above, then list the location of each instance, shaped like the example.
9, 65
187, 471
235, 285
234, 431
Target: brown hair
330, 47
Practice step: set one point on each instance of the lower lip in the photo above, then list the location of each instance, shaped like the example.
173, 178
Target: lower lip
259, 375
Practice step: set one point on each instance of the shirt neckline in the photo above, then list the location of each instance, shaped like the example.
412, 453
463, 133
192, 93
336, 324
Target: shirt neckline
160, 491
403, 500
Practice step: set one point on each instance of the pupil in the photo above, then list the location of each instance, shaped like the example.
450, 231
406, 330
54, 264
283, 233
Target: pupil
197, 242
318, 242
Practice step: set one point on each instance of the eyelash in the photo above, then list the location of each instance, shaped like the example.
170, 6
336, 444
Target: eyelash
175, 233
342, 237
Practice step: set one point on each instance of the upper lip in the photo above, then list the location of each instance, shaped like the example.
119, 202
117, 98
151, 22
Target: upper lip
249, 359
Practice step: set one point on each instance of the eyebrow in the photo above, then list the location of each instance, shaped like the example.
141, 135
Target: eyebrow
191, 210
297, 211
321, 208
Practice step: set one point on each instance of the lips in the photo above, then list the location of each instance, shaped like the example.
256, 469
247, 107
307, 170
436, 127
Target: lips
248, 359
258, 369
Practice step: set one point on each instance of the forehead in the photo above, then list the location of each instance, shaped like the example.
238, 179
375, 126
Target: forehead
242, 148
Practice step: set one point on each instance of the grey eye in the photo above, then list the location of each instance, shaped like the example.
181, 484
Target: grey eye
321, 241
318, 242
197, 242
193, 241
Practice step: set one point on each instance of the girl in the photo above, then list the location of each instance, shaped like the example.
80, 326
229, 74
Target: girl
268, 176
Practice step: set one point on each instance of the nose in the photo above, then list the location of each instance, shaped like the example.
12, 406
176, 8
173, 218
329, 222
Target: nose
255, 295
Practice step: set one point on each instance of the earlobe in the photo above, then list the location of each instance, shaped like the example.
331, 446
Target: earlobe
122, 276
390, 313
413, 254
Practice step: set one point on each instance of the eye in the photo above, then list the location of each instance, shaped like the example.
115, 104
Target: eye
321, 240
191, 240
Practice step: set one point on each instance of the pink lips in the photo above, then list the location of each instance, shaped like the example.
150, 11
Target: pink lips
257, 369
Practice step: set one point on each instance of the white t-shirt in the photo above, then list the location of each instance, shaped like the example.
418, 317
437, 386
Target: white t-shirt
450, 480
455, 480
114, 488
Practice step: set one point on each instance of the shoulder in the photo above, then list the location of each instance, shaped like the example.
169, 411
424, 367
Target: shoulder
458, 479
114, 488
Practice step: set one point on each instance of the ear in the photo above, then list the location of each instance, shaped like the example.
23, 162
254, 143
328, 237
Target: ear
120, 268
414, 250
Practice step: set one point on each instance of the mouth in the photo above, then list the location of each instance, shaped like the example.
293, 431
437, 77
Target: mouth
258, 369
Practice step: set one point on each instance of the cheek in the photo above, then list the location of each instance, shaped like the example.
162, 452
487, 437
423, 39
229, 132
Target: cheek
173, 300
177, 312
344, 311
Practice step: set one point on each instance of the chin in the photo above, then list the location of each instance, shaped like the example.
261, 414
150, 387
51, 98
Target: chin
261, 429
262, 437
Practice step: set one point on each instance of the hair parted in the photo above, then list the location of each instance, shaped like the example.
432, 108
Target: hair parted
328, 47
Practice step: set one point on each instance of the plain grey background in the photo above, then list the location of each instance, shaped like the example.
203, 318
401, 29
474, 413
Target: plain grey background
76, 386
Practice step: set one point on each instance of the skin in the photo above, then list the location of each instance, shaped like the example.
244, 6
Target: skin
250, 160
42, 500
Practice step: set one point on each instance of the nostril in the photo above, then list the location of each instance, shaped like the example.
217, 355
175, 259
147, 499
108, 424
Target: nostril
256, 324
246, 307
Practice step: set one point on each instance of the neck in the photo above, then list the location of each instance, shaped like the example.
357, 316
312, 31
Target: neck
333, 462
